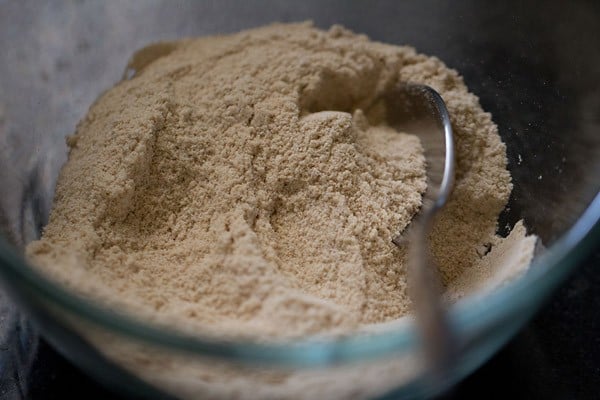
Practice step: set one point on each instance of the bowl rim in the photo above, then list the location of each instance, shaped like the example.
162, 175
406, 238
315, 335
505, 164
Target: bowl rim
468, 316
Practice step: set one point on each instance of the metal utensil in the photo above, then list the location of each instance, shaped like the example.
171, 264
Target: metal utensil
420, 110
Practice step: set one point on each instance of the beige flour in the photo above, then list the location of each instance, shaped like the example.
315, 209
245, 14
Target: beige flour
239, 184
242, 185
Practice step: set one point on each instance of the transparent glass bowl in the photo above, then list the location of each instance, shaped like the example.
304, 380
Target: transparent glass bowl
536, 70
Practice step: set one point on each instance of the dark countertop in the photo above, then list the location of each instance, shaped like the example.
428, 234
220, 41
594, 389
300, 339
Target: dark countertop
556, 356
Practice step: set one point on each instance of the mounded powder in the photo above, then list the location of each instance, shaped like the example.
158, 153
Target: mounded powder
246, 185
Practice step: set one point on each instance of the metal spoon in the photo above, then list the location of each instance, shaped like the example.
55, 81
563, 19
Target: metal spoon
420, 110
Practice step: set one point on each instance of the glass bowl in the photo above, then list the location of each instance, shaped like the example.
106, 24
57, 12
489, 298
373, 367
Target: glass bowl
537, 70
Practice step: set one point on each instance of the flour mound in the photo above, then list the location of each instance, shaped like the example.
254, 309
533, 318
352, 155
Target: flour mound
241, 185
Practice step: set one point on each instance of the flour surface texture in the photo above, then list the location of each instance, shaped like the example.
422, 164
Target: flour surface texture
248, 185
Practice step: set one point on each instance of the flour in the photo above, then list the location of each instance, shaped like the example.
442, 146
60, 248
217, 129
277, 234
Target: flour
243, 185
